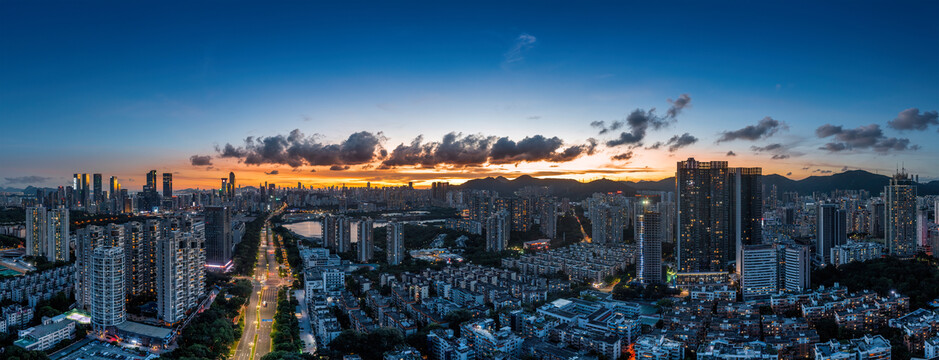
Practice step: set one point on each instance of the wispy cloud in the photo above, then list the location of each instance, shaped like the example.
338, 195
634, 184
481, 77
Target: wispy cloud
516, 53
27, 180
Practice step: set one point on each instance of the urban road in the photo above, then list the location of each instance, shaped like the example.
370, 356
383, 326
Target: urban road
256, 339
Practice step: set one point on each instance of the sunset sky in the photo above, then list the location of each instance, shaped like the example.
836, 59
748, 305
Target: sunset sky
549, 89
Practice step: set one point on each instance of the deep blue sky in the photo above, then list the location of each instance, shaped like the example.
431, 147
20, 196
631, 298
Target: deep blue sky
121, 88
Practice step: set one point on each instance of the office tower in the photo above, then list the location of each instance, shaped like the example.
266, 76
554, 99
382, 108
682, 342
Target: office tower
649, 239
108, 302
231, 185
85, 193
167, 185
115, 188
497, 231
796, 268
901, 216
746, 212
218, 236
758, 271
47, 233
152, 180
343, 235
366, 242
716, 214
607, 223
394, 243
98, 196
830, 230
180, 274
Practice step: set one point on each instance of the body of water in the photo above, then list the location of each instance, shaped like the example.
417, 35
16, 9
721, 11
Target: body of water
311, 229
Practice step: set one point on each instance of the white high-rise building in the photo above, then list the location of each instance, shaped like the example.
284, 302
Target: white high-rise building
498, 228
366, 243
649, 239
47, 233
394, 244
88, 239
797, 268
180, 274
759, 268
108, 302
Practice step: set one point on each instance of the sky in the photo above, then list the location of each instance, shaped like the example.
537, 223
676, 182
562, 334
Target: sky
327, 93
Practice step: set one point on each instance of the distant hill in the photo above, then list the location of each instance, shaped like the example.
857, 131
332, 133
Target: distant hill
575, 190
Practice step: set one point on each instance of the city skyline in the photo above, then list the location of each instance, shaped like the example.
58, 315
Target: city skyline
525, 89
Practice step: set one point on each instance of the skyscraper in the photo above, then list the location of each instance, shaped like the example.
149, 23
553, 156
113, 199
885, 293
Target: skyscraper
343, 235
139, 239
218, 236
366, 241
498, 228
180, 274
85, 193
719, 212
830, 230
649, 239
231, 185
758, 271
797, 268
167, 185
394, 243
98, 195
901, 215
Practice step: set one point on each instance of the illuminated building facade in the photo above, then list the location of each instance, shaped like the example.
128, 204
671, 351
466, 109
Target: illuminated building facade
394, 243
649, 239
901, 216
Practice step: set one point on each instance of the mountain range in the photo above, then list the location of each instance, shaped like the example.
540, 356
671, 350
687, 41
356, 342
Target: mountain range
576, 190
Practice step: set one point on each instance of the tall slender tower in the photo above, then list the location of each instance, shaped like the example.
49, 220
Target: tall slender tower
98, 194
231, 185
498, 228
394, 243
651, 234
830, 230
167, 185
366, 244
901, 215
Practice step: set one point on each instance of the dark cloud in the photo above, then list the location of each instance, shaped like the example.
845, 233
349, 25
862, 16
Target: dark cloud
677, 105
912, 119
33, 179
626, 156
762, 130
638, 123
200, 160
861, 138
339, 167
820, 171
296, 149
767, 148
476, 150
780, 156
273, 172
680, 141
789, 173
655, 146
731, 153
